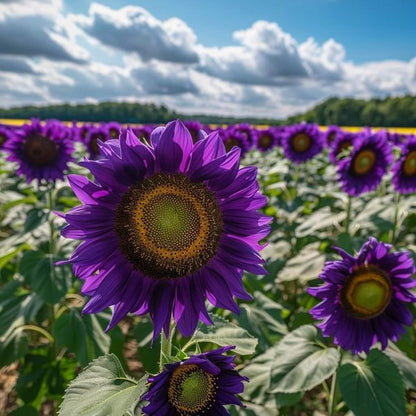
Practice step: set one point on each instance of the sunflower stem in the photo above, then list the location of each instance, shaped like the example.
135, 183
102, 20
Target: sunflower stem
52, 248
348, 215
396, 217
331, 401
166, 346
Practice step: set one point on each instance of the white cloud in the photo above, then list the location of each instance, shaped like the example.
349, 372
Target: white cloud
133, 29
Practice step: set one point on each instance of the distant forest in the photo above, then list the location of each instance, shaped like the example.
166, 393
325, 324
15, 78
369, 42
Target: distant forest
386, 112
391, 111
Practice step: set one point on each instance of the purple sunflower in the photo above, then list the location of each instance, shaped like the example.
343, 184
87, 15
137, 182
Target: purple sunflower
248, 131
267, 139
341, 144
95, 134
404, 170
5, 135
196, 130
301, 142
112, 129
166, 226
232, 137
364, 297
42, 151
331, 135
144, 131
364, 168
199, 386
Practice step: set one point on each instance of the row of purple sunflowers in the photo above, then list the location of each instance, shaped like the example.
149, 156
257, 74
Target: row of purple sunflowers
132, 259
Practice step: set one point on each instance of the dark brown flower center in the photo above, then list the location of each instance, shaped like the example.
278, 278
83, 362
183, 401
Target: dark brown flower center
192, 391
331, 137
409, 165
367, 292
169, 226
93, 145
301, 142
364, 161
265, 141
40, 151
2, 139
230, 143
114, 133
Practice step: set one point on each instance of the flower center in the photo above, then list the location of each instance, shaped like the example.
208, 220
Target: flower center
331, 137
367, 292
94, 149
168, 226
230, 143
301, 142
364, 162
265, 141
192, 390
409, 166
114, 133
2, 139
40, 151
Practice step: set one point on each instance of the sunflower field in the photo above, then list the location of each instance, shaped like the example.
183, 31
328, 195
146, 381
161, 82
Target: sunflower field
186, 270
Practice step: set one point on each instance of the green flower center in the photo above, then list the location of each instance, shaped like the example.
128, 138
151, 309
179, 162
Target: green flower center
364, 161
409, 166
40, 151
168, 226
192, 390
301, 142
366, 293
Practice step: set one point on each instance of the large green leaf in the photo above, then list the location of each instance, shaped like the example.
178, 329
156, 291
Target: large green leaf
300, 362
224, 333
51, 283
103, 389
373, 386
406, 366
81, 335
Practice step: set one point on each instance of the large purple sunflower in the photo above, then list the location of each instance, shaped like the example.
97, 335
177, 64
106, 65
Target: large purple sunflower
404, 170
166, 226
42, 151
364, 298
302, 142
363, 170
199, 386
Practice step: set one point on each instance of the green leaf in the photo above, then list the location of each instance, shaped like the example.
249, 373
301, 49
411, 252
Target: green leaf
103, 389
51, 283
373, 386
34, 218
81, 335
224, 333
300, 362
13, 347
11, 254
406, 365
305, 266
25, 410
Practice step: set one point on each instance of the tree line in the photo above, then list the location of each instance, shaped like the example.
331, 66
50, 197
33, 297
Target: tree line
386, 112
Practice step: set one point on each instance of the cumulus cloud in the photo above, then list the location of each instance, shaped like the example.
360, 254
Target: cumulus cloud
133, 29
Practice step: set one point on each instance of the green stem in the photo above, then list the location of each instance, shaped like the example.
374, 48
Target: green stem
166, 346
396, 217
348, 215
38, 329
331, 402
52, 248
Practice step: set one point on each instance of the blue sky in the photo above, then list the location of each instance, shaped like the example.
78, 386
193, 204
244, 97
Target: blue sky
256, 58
368, 29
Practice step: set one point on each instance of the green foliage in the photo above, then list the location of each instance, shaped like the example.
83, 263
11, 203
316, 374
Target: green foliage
103, 388
386, 112
373, 386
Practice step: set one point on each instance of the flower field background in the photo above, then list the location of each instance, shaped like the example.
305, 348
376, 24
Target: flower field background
347, 348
